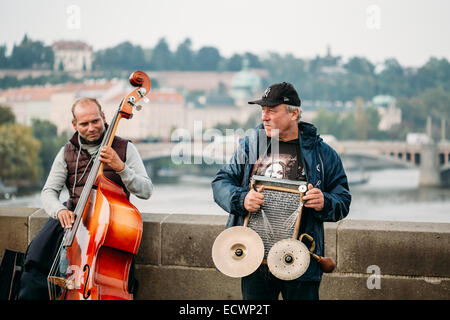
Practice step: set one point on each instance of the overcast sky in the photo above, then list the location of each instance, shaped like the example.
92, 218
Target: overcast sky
410, 31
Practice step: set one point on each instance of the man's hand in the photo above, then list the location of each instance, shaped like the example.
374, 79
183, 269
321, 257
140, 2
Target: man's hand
254, 200
110, 157
314, 198
66, 218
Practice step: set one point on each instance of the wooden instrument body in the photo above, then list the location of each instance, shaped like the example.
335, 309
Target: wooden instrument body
104, 245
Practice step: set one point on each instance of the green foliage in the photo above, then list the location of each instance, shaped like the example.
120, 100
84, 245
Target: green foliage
434, 102
6, 115
358, 65
161, 58
207, 59
124, 56
361, 124
184, 56
3, 58
46, 133
19, 152
55, 78
29, 54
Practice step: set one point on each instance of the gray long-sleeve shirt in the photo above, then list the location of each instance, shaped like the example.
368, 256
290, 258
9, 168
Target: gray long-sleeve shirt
134, 177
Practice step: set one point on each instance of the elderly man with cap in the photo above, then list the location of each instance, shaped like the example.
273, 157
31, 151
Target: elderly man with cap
304, 156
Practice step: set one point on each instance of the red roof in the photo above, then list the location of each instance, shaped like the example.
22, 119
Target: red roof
35, 93
43, 93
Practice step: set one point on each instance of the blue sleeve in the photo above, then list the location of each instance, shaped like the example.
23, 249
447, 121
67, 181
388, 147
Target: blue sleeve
227, 183
336, 191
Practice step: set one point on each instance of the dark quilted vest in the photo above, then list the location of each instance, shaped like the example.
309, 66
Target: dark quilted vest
70, 155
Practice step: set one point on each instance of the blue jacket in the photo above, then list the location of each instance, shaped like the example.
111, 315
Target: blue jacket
323, 168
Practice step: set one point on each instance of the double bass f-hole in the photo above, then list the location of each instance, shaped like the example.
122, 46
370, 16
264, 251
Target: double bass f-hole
86, 295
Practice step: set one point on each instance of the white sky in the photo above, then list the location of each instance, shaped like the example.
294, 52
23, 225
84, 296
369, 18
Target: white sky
410, 31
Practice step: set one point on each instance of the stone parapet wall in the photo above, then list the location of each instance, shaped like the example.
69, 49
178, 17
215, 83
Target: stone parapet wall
375, 259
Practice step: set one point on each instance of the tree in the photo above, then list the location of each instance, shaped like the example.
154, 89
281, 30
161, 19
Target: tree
392, 79
361, 123
161, 56
436, 72
253, 60
47, 134
31, 54
3, 58
124, 56
373, 120
360, 65
328, 122
6, 115
207, 59
234, 63
184, 56
19, 152
432, 102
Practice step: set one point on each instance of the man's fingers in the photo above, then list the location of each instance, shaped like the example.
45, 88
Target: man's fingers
312, 202
259, 201
67, 221
312, 191
258, 195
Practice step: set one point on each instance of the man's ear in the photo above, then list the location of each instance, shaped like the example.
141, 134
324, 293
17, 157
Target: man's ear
74, 124
295, 114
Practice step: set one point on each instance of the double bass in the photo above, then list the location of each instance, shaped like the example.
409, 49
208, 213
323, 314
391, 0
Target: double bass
95, 257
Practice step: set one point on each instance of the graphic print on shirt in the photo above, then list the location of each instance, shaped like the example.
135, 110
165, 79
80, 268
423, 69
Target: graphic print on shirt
287, 164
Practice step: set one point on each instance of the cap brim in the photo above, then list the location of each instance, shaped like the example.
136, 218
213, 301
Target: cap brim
264, 103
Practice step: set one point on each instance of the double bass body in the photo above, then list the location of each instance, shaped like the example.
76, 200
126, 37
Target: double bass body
104, 245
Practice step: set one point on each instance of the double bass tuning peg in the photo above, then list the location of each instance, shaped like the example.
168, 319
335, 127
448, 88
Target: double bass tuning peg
138, 106
142, 92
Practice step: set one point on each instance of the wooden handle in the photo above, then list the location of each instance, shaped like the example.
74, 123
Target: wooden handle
327, 264
246, 220
299, 218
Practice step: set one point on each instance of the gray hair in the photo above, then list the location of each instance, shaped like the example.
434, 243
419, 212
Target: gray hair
291, 109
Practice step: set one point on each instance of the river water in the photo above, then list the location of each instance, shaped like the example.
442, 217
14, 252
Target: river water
390, 194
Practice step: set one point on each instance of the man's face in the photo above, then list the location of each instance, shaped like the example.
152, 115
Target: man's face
275, 170
277, 118
88, 121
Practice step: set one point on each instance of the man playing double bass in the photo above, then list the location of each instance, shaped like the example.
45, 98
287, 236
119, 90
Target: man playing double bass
122, 165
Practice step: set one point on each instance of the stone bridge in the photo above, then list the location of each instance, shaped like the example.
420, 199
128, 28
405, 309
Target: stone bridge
376, 260
404, 152
432, 159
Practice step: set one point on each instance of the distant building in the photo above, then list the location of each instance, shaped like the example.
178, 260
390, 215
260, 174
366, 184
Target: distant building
245, 84
204, 81
72, 56
389, 113
158, 118
29, 102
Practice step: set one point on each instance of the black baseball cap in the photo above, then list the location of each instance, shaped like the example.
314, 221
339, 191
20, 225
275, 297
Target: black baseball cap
279, 93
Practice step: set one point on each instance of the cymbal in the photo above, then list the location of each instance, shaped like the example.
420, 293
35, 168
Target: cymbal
288, 259
238, 251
